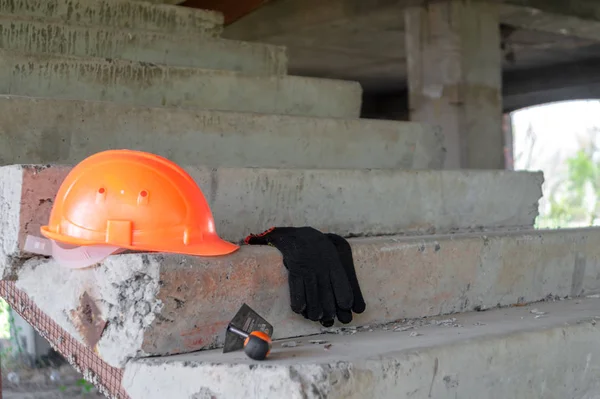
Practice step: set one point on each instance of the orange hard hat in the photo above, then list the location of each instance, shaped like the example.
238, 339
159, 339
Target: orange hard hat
134, 200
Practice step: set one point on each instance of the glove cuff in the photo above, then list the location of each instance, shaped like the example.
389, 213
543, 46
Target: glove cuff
258, 239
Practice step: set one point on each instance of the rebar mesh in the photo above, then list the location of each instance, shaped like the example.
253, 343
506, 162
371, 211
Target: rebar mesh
105, 377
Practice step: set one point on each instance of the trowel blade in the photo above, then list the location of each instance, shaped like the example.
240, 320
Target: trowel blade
246, 320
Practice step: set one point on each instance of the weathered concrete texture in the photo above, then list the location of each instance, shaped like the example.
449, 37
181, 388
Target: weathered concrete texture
505, 353
139, 15
188, 301
128, 82
529, 18
129, 302
346, 202
455, 78
38, 130
34, 36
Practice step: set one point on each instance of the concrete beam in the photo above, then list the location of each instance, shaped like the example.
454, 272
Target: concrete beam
158, 304
136, 15
232, 9
568, 81
396, 201
455, 79
507, 353
36, 130
286, 16
520, 89
537, 20
584, 9
164, 1
29, 35
134, 83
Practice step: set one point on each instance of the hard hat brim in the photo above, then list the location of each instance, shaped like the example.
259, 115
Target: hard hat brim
210, 246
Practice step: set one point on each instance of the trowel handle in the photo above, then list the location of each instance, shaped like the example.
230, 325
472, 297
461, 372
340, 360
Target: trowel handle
257, 345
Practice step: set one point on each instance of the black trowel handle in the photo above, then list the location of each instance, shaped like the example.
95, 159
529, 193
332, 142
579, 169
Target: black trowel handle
257, 344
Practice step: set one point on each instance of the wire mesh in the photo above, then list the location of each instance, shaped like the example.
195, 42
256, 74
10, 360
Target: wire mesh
105, 377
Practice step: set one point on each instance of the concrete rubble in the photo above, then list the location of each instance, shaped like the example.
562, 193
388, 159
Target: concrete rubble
402, 202
503, 353
158, 304
41, 130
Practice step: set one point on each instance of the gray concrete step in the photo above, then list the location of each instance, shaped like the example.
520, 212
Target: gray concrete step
347, 202
38, 130
158, 304
40, 36
504, 353
140, 15
128, 82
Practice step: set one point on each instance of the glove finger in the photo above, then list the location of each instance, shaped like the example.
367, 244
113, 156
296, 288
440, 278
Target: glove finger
327, 298
341, 286
345, 254
344, 316
297, 293
327, 323
304, 313
314, 311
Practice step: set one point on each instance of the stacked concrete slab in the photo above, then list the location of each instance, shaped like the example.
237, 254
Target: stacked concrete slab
267, 149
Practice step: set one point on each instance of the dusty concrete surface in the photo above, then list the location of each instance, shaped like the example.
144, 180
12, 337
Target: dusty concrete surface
128, 82
39, 130
139, 15
165, 304
505, 353
40, 36
129, 302
251, 200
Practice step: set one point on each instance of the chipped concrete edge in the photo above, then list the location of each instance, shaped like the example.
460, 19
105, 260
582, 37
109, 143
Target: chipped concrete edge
481, 364
124, 291
126, 288
11, 184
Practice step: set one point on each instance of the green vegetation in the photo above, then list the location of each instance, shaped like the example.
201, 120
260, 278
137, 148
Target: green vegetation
574, 199
86, 387
8, 330
4, 320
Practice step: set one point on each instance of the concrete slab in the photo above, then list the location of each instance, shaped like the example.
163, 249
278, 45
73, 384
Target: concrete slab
41, 36
346, 202
504, 353
37, 130
139, 15
128, 82
158, 304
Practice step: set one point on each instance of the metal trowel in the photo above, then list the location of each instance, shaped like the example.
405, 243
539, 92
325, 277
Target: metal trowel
248, 330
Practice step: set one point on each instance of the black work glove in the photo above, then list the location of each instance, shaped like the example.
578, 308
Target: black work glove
319, 285
345, 255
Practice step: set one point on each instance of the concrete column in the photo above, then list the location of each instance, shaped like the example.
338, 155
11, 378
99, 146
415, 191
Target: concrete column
455, 78
507, 128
